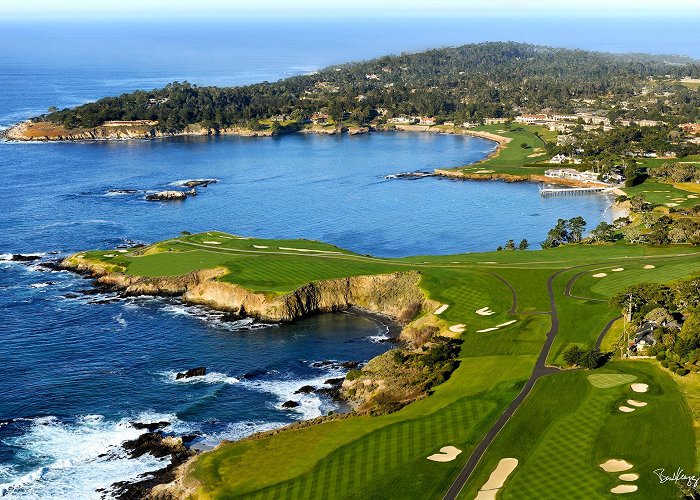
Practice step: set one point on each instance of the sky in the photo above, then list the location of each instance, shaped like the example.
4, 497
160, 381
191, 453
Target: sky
163, 9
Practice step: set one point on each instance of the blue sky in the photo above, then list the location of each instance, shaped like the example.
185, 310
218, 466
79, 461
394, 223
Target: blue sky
34, 9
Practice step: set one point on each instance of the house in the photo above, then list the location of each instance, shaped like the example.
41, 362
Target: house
571, 173
402, 120
528, 118
372, 76
426, 120
469, 124
319, 118
493, 121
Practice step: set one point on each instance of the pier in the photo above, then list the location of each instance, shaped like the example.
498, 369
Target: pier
573, 191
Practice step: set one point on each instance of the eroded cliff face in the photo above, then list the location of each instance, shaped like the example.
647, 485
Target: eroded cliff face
397, 295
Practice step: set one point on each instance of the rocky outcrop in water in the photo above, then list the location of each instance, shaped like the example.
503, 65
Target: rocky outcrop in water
192, 372
167, 196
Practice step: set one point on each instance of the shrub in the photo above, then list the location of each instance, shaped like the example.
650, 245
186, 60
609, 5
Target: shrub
353, 374
661, 356
682, 372
664, 363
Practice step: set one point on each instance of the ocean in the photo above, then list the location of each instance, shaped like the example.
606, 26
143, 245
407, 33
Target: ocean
80, 365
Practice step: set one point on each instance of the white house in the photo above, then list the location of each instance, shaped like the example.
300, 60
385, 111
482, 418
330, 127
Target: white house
571, 173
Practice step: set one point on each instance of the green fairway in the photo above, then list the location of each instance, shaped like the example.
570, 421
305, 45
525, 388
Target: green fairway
661, 193
567, 426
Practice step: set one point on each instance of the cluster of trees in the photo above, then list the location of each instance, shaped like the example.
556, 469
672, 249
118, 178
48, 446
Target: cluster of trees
585, 358
675, 310
675, 172
663, 230
510, 245
471, 82
566, 231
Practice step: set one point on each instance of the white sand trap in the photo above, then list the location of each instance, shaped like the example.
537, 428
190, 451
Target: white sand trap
447, 454
692, 196
638, 404
628, 477
615, 465
626, 409
441, 309
600, 275
624, 488
505, 468
260, 246
487, 330
121, 250
109, 255
506, 323
457, 328
484, 311
484, 172
671, 204
649, 266
618, 269
212, 242
639, 387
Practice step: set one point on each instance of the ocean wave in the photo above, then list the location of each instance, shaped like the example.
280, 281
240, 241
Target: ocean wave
310, 405
209, 378
215, 318
78, 458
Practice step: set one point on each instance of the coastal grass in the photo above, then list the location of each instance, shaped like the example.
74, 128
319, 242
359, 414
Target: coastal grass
567, 427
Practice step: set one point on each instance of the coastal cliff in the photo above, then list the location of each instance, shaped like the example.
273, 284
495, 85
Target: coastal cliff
490, 176
397, 295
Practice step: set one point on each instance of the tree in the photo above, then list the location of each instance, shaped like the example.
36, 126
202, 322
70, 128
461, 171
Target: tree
604, 232
524, 145
572, 355
524, 245
576, 227
510, 245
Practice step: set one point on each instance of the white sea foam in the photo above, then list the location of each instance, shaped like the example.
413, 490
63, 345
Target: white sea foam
310, 405
119, 318
239, 430
213, 318
78, 458
209, 378
378, 338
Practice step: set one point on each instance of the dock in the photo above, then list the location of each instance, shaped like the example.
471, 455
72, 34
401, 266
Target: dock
574, 191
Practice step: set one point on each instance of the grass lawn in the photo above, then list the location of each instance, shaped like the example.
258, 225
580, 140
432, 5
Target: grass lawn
568, 426
661, 193
564, 429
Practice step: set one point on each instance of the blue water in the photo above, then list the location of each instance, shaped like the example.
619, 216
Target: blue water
78, 367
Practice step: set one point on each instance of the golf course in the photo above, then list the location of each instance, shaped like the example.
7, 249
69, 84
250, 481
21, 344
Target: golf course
511, 396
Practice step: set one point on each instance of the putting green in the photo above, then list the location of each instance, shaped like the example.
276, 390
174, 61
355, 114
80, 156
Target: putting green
608, 380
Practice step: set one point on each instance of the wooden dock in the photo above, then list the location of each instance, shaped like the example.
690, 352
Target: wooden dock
574, 191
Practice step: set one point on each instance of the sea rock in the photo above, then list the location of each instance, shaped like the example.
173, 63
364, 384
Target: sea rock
306, 389
167, 196
150, 426
192, 372
199, 182
19, 257
290, 404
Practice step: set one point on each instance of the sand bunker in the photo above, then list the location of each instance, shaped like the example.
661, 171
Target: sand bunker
212, 242
109, 255
628, 477
638, 404
306, 250
121, 250
639, 387
671, 204
649, 266
484, 311
626, 409
505, 468
259, 246
447, 454
618, 269
484, 172
487, 330
615, 465
441, 309
457, 328
624, 488
692, 196
506, 323
600, 275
